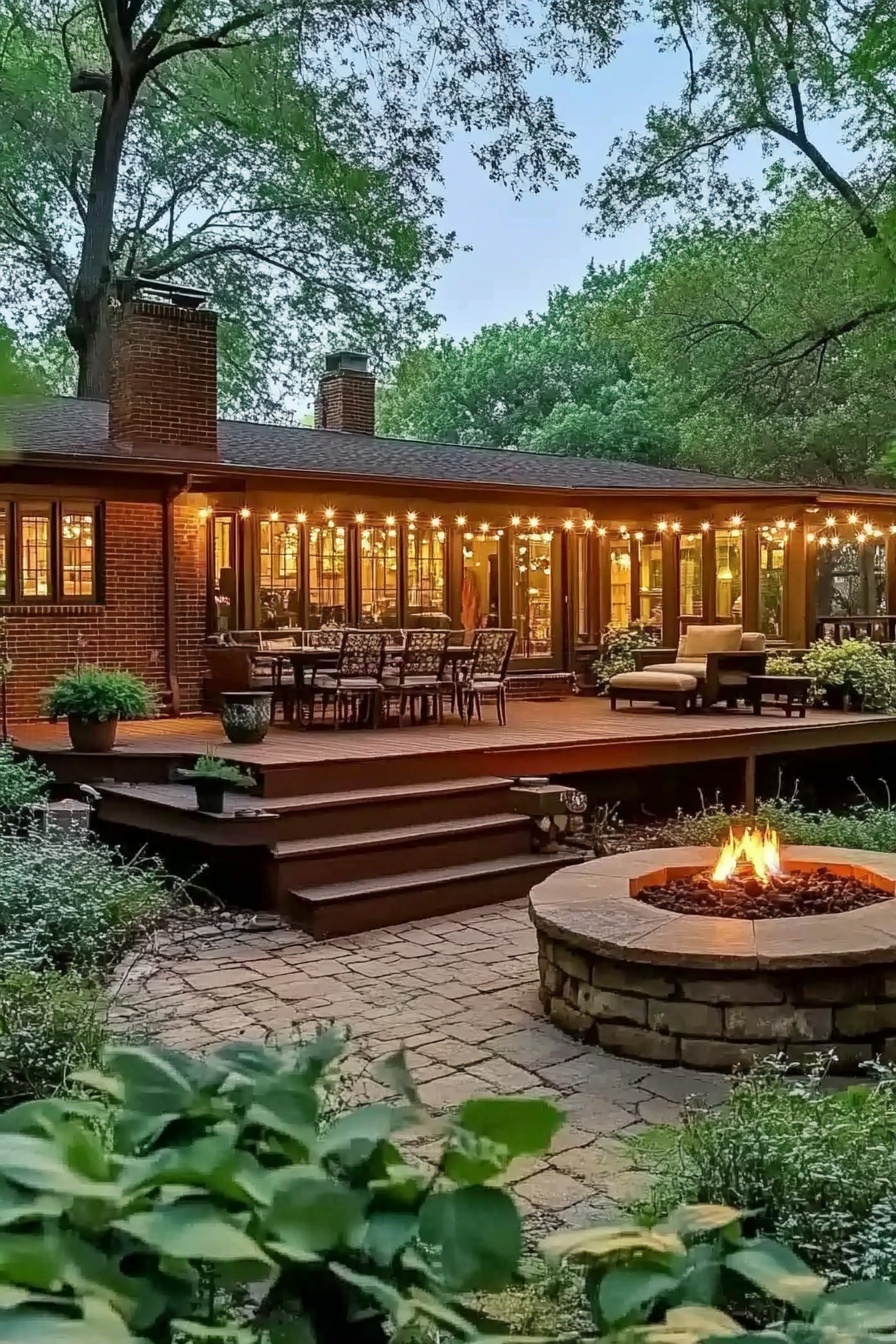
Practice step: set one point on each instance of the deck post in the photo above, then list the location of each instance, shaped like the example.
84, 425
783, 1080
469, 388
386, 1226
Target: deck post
750, 595
671, 594
750, 783
709, 578
799, 604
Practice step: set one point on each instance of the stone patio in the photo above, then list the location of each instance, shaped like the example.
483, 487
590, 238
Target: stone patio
459, 993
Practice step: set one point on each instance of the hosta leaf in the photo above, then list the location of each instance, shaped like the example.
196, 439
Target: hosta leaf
624, 1292
193, 1230
386, 1233
691, 1219
156, 1080
40, 1164
597, 1242
705, 1322
866, 1306
519, 1124
477, 1231
311, 1213
353, 1136
777, 1271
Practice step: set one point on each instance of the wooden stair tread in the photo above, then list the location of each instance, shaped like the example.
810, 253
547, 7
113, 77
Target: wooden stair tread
443, 788
396, 835
372, 887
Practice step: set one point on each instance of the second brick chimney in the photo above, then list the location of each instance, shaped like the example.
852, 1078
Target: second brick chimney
163, 371
346, 394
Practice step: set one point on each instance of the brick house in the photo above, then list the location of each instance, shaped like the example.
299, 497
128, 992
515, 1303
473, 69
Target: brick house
132, 532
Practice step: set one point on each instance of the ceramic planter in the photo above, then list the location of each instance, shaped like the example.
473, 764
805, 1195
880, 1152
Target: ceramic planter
92, 735
246, 715
209, 794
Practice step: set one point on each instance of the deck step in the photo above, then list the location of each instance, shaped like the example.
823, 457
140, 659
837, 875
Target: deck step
399, 849
334, 813
339, 908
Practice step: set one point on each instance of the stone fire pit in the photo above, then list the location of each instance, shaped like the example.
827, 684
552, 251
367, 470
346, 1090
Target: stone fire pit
710, 992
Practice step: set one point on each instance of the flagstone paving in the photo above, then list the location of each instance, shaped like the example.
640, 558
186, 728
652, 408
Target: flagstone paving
458, 994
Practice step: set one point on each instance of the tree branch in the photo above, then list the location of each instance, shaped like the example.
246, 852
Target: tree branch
215, 41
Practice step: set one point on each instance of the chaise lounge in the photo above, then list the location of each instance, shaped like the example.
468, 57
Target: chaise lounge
711, 661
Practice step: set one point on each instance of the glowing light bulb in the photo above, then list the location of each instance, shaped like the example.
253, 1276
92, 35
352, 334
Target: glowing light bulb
830, 521
568, 525
852, 518
301, 517
533, 522
601, 531
704, 527
204, 513
676, 526
329, 513
588, 524
245, 511
468, 536
867, 529
810, 537
460, 519
515, 520
662, 525
781, 523
436, 522
737, 519
390, 519
639, 536
360, 517
483, 527
791, 526
275, 515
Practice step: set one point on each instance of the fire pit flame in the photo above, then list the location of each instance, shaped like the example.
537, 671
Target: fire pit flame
755, 853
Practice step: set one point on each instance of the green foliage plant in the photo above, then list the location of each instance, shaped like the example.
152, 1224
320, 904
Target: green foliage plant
211, 766
51, 1026
816, 1167
865, 825
782, 665
23, 784
616, 652
72, 904
859, 666
97, 693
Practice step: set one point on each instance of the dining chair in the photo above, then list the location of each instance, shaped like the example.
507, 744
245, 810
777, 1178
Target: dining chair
420, 674
356, 681
486, 674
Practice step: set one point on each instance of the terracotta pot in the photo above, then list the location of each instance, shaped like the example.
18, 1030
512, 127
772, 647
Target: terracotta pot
92, 734
246, 715
209, 794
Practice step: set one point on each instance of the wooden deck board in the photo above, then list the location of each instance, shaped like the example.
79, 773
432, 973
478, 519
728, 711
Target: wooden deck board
565, 735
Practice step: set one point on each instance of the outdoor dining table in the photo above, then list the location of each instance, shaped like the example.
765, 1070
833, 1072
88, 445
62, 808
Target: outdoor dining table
295, 658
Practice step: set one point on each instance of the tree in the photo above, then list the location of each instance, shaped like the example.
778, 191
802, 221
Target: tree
552, 383
283, 155
716, 316
782, 72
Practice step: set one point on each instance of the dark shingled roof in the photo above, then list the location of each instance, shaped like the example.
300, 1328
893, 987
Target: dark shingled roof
66, 426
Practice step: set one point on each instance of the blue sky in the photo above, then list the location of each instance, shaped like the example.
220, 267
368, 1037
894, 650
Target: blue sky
523, 248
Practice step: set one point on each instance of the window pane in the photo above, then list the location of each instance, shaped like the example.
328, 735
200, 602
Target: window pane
225, 571
651, 583
426, 578
77, 555
379, 576
34, 554
326, 576
851, 578
620, 585
583, 589
772, 570
532, 595
4, 551
479, 594
729, 575
278, 573
690, 570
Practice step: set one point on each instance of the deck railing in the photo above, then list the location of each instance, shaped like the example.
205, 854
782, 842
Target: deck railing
880, 628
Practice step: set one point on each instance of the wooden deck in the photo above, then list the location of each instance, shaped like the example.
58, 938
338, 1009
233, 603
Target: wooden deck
575, 735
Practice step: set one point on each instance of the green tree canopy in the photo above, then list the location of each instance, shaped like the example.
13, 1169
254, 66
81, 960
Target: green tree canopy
552, 383
282, 154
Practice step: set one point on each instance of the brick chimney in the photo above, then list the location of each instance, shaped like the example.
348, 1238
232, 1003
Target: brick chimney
163, 370
346, 394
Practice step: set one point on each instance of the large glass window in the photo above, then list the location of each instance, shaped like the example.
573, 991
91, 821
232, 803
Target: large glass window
379, 576
729, 575
583, 589
224, 571
479, 594
35, 554
77, 555
620, 584
690, 574
772, 586
532, 594
279, 567
426, 578
851, 578
326, 576
651, 586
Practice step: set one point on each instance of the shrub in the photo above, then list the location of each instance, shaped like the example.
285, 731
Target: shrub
97, 693
51, 1025
863, 826
73, 904
859, 667
782, 665
616, 652
22, 783
817, 1168
211, 766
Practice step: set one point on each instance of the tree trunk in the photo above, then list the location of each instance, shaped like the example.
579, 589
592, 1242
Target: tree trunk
87, 327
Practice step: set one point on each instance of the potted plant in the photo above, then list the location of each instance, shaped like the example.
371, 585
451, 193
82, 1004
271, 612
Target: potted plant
93, 699
857, 673
210, 776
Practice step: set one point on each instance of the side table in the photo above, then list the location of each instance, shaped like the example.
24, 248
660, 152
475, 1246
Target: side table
793, 690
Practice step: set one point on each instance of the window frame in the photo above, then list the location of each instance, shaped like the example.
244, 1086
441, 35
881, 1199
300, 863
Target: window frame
54, 509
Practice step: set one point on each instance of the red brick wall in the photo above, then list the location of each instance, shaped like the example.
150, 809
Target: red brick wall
128, 629
163, 377
346, 400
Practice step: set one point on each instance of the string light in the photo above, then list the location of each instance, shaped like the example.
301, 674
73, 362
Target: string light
810, 537
791, 526
204, 513
704, 527
412, 517
329, 512
867, 529
662, 525
824, 541
436, 522
588, 524
830, 521
360, 517
533, 522
275, 515
676, 526
893, 528
568, 525
483, 527
460, 519
835, 542
390, 519
245, 511
639, 536
468, 536
301, 517
737, 519
781, 523
852, 518
601, 531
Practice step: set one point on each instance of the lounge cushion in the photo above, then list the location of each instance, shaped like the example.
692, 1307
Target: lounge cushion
753, 641
652, 680
687, 667
700, 640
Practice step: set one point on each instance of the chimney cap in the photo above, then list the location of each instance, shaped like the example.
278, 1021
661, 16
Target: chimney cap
353, 360
179, 296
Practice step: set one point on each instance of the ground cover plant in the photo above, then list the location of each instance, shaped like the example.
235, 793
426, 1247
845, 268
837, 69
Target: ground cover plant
127, 1214
816, 1167
616, 652
865, 825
